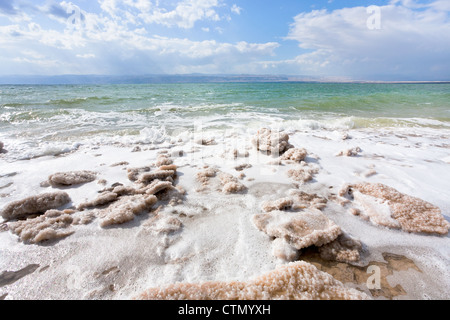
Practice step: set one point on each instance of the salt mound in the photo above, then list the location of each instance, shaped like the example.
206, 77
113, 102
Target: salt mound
299, 229
271, 142
35, 205
303, 200
343, 249
103, 199
204, 176
163, 160
302, 172
71, 178
295, 154
125, 209
386, 206
352, 152
134, 173
156, 175
294, 281
280, 204
51, 225
231, 184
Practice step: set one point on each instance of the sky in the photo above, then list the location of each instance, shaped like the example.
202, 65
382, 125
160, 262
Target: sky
357, 40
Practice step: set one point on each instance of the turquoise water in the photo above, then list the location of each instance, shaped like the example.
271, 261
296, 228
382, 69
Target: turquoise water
72, 112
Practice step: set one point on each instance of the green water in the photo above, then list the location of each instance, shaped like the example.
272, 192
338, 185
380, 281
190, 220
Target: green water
69, 111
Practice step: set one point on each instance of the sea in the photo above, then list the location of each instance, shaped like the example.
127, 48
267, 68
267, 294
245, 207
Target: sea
37, 120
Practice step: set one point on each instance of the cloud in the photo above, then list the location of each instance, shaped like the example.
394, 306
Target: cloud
236, 9
413, 42
108, 43
184, 14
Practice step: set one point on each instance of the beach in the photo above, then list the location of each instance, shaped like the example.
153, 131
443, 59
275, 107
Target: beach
168, 187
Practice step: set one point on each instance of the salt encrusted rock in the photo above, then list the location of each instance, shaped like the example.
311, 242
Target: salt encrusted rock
343, 249
271, 142
302, 172
206, 141
299, 229
284, 251
231, 184
125, 209
35, 205
303, 200
294, 154
53, 224
101, 200
386, 206
293, 281
242, 166
163, 160
156, 175
134, 173
72, 178
1, 146
205, 175
157, 186
280, 204
352, 152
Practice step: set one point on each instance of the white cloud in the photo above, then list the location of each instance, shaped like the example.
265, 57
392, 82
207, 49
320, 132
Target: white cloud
410, 43
105, 44
185, 14
236, 9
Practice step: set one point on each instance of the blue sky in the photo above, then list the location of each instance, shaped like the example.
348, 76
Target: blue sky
361, 40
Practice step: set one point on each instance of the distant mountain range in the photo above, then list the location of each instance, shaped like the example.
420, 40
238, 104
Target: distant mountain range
189, 78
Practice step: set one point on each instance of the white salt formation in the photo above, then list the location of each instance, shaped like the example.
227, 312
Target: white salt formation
343, 249
388, 207
303, 200
299, 229
72, 178
53, 224
294, 154
352, 152
231, 184
156, 175
123, 203
280, 204
134, 173
163, 159
294, 281
271, 142
125, 209
302, 172
35, 205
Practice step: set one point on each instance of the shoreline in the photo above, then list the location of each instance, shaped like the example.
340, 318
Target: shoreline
216, 239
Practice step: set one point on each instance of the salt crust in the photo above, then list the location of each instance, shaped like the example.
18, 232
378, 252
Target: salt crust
125, 209
343, 249
53, 224
229, 183
408, 213
35, 205
271, 142
303, 172
299, 229
295, 154
293, 281
72, 178
352, 152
